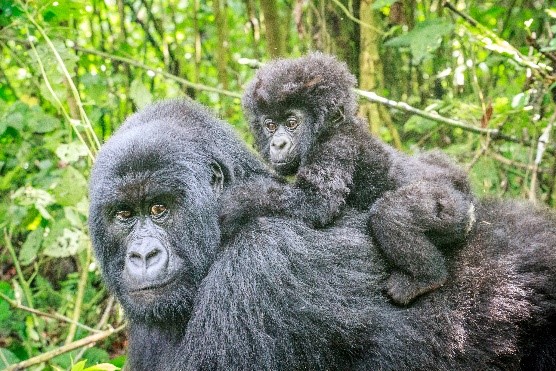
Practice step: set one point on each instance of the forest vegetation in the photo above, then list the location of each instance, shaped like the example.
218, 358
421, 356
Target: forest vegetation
474, 78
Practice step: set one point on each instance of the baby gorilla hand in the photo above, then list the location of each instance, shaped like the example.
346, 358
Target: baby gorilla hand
250, 200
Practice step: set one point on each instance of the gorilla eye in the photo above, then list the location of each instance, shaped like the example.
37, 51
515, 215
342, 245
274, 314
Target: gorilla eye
292, 123
158, 210
270, 125
123, 215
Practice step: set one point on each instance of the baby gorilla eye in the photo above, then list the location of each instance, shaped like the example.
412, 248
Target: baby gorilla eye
270, 125
123, 215
158, 210
291, 122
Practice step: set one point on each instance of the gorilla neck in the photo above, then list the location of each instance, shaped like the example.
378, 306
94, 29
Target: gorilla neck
144, 351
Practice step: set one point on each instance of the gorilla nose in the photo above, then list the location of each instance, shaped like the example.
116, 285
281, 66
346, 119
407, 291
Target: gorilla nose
146, 260
280, 145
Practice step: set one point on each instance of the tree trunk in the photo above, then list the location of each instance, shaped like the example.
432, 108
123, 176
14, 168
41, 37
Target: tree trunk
371, 76
220, 20
275, 43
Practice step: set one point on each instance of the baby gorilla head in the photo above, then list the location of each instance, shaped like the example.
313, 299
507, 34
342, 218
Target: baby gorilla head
290, 103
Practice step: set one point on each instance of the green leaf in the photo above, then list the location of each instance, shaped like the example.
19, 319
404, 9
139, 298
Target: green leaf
22, 117
8, 12
95, 356
5, 309
484, 176
67, 243
424, 39
31, 246
419, 125
29, 196
79, 366
70, 188
10, 357
379, 4
63, 10
102, 367
42, 123
139, 93
71, 152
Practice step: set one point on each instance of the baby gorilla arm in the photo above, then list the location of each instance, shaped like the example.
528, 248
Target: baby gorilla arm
317, 197
410, 224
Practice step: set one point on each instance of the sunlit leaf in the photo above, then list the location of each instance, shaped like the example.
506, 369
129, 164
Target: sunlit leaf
378, 4
70, 188
424, 39
68, 243
31, 246
139, 93
71, 152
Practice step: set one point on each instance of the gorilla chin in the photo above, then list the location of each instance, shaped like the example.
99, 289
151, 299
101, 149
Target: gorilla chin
286, 168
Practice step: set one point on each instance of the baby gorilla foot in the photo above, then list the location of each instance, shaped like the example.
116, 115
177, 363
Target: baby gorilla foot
403, 289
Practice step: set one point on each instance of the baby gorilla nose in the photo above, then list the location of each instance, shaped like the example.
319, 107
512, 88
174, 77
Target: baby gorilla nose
146, 260
279, 148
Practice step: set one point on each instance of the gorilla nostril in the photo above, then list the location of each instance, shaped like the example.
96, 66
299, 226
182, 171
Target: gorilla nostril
152, 257
135, 258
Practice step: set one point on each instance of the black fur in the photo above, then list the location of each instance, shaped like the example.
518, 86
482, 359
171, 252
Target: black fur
282, 296
424, 202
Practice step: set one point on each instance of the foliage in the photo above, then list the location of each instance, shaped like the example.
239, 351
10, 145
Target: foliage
72, 70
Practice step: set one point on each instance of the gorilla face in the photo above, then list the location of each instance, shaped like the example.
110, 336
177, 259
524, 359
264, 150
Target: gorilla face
286, 134
147, 229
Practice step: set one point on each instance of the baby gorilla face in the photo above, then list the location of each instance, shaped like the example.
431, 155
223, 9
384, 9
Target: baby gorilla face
284, 132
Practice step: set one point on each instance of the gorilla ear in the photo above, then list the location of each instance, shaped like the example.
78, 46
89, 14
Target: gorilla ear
217, 179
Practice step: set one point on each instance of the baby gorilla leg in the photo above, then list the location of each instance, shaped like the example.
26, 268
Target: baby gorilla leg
410, 224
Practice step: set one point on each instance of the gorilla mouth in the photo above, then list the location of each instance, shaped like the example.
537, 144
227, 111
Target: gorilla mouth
151, 288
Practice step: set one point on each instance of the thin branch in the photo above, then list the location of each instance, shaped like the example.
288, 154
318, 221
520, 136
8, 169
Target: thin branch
541, 148
160, 72
89, 131
495, 43
101, 323
134, 63
495, 134
506, 161
480, 153
64, 349
14, 304
355, 19
22, 281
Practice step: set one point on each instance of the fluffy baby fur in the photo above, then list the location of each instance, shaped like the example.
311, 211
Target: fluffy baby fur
422, 206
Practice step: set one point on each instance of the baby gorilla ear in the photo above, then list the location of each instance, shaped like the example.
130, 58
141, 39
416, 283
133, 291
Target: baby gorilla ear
217, 180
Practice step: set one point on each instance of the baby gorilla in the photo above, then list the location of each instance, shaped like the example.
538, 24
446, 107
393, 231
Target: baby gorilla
302, 113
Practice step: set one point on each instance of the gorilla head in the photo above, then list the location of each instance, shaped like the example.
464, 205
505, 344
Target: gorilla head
146, 226
290, 102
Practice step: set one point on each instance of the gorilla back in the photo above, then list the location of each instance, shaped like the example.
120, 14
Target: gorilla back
280, 295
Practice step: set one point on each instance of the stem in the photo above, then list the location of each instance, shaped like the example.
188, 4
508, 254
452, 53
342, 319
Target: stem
80, 294
58, 102
541, 148
89, 131
21, 278
64, 349
14, 304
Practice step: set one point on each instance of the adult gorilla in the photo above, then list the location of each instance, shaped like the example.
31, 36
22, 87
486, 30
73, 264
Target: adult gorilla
279, 295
